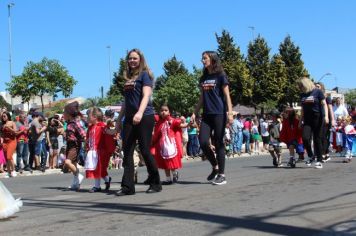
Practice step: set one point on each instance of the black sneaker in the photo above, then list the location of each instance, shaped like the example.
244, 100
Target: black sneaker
175, 177
220, 180
212, 175
95, 190
275, 163
147, 181
124, 191
292, 162
107, 184
309, 161
154, 189
167, 182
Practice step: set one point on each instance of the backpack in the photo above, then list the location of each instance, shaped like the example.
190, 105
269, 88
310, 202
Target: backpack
167, 142
274, 130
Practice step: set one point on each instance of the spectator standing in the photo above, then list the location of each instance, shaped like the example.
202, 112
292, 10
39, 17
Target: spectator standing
193, 141
264, 133
339, 109
22, 144
9, 142
246, 132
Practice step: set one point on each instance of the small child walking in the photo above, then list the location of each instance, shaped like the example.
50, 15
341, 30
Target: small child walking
167, 144
95, 144
74, 135
291, 134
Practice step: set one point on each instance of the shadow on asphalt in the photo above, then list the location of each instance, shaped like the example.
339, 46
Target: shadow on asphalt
191, 182
272, 167
252, 222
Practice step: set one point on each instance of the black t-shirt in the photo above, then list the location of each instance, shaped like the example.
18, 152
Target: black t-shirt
213, 95
52, 131
133, 91
311, 102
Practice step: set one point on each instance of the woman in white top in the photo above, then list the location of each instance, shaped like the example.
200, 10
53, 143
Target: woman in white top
339, 109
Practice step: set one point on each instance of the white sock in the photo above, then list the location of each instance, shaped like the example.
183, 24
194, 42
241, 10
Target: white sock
97, 183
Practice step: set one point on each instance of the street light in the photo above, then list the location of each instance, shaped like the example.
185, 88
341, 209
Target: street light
10, 45
109, 52
322, 77
328, 74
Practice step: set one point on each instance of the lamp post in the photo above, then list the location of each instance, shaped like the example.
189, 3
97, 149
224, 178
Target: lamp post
10, 44
109, 54
322, 77
252, 28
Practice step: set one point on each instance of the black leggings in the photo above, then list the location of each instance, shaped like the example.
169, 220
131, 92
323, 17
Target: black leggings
313, 128
142, 133
216, 124
326, 138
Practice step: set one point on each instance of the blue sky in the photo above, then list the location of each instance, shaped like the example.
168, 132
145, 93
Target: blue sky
78, 32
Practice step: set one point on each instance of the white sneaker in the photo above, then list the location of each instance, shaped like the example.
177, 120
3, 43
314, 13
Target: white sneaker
318, 165
7, 175
74, 185
13, 174
80, 178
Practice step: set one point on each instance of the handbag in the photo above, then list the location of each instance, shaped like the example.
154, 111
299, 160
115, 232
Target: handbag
91, 159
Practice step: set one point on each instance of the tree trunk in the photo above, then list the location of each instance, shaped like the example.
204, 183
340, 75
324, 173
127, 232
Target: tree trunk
42, 103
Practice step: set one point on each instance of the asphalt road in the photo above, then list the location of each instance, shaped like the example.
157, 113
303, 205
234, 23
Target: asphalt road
258, 200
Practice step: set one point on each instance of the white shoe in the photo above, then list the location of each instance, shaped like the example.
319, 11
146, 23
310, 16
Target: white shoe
7, 176
74, 185
80, 178
13, 174
318, 165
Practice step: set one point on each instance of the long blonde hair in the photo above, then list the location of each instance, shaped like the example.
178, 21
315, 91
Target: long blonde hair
305, 84
129, 74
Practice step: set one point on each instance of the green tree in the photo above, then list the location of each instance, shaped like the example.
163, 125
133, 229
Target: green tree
279, 77
180, 92
294, 64
171, 67
44, 77
19, 87
117, 87
350, 97
258, 62
3, 103
236, 69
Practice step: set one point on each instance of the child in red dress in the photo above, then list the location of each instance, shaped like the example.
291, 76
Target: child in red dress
95, 133
291, 134
167, 144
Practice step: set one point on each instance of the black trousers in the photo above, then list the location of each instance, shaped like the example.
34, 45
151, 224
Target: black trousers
141, 133
213, 126
313, 129
326, 138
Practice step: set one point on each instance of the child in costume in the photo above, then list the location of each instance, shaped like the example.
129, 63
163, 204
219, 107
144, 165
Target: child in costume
167, 144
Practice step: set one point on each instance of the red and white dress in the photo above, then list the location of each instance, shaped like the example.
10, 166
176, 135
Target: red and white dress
94, 141
175, 132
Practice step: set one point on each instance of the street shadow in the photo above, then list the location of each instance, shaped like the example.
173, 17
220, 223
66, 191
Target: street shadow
182, 182
257, 222
344, 227
272, 167
8, 218
63, 189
